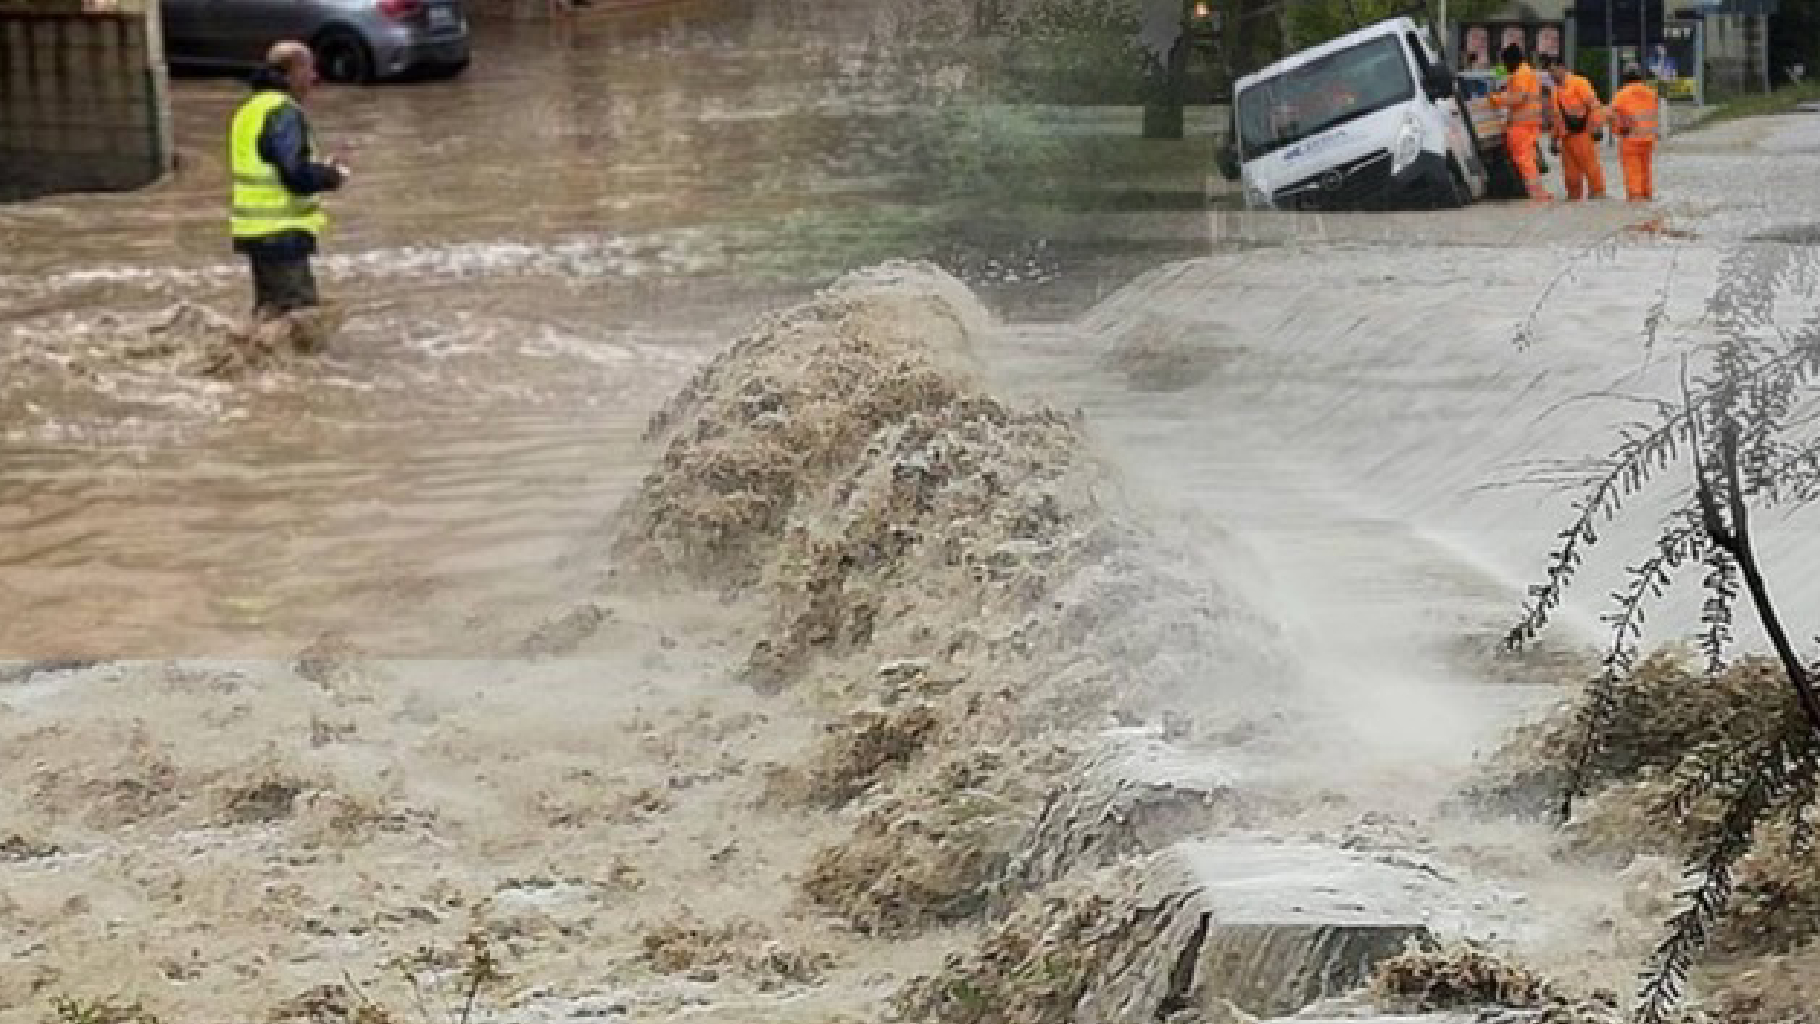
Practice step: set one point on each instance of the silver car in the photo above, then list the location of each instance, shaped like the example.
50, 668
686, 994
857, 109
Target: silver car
354, 40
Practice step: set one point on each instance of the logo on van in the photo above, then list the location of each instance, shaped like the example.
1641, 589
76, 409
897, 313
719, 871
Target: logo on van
1332, 180
1309, 147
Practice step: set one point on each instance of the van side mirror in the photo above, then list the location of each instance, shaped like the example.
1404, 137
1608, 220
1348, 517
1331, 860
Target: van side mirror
1438, 83
1227, 156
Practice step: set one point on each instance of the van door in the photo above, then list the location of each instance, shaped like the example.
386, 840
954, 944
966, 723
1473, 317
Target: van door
1446, 115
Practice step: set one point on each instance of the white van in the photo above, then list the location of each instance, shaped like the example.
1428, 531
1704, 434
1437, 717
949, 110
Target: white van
1371, 120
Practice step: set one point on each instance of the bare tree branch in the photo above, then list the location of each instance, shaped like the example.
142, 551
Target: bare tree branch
1738, 543
1745, 428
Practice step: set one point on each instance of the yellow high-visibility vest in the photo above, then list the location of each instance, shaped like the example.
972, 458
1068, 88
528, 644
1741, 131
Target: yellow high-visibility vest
261, 206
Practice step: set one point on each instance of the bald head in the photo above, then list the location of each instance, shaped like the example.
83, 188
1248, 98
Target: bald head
297, 63
286, 53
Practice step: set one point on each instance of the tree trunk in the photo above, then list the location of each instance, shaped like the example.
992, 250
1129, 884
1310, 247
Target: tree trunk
1165, 115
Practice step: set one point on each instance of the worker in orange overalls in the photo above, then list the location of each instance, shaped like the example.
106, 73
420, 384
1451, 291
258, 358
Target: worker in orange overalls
1636, 113
1579, 123
1526, 118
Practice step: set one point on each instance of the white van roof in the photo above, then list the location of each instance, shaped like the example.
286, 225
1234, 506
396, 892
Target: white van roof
1387, 27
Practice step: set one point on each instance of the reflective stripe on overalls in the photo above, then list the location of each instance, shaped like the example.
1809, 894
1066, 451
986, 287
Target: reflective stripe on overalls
261, 206
1638, 111
1527, 107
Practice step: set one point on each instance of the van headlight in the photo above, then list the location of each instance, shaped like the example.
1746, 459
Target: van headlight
1408, 147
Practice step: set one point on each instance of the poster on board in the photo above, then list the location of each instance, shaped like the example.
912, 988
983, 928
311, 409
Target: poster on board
1675, 61
1481, 42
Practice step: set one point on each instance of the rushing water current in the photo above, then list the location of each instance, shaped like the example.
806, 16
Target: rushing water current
531, 257
1321, 421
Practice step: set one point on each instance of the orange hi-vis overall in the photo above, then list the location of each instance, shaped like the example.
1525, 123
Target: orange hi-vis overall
1527, 119
1636, 114
1575, 101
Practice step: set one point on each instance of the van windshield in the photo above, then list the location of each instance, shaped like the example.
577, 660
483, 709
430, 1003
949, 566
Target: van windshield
1322, 93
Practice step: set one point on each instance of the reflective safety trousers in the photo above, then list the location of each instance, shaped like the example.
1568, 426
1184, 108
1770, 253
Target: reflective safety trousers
1638, 159
1521, 141
1580, 168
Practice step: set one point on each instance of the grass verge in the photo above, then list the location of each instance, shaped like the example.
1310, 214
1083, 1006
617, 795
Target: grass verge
1780, 101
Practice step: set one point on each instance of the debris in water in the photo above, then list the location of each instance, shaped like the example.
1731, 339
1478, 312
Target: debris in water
326, 1004
269, 799
1162, 354
918, 859
1664, 713
858, 752
562, 635
136, 779
691, 947
1036, 967
942, 500
1658, 785
16, 847
1781, 989
23, 672
249, 348
330, 661
782, 413
1789, 234
192, 340
1421, 981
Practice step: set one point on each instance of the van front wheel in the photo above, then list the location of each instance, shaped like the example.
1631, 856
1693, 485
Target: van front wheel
1459, 193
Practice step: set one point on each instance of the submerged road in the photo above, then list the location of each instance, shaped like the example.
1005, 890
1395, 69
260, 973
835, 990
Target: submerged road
1323, 413
532, 257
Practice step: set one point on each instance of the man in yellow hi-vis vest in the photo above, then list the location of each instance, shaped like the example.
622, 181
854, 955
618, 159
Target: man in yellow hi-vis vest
276, 214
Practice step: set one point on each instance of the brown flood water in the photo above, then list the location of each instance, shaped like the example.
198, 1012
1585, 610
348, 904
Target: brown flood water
533, 257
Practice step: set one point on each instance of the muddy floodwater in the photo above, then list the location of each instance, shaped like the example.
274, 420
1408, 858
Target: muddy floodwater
783, 533
531, 257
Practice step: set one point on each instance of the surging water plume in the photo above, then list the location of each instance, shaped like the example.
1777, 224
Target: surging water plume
937, 587
845, 462
1659, 784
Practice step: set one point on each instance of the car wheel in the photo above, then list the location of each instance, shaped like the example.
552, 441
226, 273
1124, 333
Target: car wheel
343, 57
453, 69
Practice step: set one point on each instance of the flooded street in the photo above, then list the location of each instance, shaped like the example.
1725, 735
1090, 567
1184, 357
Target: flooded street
531, 255
663, 586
